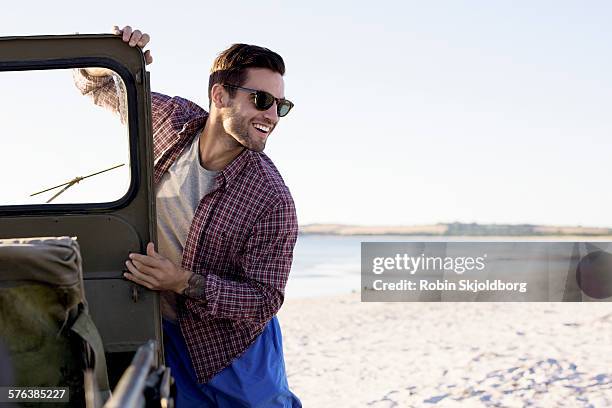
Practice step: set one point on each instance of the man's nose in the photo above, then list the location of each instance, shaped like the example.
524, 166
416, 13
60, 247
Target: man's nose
271, 113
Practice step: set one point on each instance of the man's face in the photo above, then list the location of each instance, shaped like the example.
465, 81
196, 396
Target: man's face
242, 121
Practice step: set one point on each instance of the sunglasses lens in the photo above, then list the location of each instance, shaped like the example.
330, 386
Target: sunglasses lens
263, 100
284, 107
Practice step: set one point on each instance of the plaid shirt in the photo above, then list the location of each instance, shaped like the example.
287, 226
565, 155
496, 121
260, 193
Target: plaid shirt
241, 238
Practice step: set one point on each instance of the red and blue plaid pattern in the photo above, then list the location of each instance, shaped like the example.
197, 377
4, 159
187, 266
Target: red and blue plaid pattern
241, 237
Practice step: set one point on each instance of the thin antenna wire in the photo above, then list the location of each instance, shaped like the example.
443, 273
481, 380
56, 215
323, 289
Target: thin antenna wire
72, 183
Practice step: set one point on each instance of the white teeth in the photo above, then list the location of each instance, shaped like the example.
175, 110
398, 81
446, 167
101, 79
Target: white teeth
261, 127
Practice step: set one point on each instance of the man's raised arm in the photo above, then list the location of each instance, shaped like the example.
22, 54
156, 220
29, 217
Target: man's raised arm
102, 85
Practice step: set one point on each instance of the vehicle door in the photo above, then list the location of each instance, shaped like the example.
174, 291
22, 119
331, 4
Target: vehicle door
91, 168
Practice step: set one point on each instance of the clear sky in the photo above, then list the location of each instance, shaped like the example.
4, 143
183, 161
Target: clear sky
406, 112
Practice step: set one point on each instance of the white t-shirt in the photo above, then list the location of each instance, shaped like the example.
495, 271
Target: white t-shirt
178, 195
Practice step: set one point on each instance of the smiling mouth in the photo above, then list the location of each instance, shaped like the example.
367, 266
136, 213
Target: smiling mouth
262, 128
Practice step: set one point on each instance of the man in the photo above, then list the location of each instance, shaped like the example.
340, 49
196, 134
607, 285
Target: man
226, 229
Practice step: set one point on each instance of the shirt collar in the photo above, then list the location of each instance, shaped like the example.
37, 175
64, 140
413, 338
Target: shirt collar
193, 126
232, 170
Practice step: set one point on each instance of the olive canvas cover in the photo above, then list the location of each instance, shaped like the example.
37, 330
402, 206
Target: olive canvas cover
43, 313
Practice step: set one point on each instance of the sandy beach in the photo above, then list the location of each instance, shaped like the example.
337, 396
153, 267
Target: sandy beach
341, 352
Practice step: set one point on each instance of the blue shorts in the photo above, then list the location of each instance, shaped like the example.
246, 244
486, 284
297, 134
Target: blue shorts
255, 379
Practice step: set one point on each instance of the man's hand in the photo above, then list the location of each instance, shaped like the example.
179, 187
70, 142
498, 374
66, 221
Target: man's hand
156, 272
133, 38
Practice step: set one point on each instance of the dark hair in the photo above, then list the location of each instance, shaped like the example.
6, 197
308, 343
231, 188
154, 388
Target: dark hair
230, 67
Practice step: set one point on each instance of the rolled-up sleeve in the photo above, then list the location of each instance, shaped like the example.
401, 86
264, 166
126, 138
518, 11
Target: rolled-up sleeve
106, 91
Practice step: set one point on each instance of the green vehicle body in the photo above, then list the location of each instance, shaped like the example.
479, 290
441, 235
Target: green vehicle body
126, 315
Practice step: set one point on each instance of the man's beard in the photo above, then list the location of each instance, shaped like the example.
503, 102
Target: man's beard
238, 127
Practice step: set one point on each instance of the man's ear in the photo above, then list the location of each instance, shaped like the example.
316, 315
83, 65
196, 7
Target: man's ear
219, 96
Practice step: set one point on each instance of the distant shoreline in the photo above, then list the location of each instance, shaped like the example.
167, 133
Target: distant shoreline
458, 229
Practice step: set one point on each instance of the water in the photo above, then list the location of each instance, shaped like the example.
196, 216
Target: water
330, 264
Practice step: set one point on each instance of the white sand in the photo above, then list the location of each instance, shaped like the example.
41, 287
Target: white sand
340, 352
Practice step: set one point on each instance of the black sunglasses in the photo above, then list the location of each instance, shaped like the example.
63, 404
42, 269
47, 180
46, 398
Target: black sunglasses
263, 100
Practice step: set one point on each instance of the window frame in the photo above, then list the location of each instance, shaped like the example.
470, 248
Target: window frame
132, 124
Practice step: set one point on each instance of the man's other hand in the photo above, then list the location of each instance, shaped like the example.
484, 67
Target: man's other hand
133, 38
156, 272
